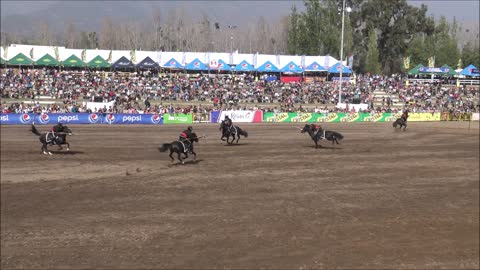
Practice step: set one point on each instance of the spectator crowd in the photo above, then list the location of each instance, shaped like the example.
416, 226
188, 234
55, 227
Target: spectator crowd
147, 92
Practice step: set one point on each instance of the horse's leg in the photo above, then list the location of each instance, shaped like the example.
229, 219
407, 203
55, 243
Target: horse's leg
180, 157
405, 127
194, 156
171, 153
46, 150
68, 146
238, 138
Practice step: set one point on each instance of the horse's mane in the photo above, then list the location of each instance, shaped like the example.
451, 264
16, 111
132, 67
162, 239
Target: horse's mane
194, 137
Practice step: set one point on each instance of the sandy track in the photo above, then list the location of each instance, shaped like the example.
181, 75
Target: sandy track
381, 199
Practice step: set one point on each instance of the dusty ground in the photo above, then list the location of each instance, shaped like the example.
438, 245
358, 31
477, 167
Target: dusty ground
381, 199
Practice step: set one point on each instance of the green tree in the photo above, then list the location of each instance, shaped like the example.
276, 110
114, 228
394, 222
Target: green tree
396, 22
311, 28
416, 51
373, 64
293, 29
445, 46
471, 54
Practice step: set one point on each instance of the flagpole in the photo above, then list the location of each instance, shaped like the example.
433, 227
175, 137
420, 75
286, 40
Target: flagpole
341, 54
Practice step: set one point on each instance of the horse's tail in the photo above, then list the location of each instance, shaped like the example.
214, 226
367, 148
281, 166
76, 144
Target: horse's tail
164, 147
338, 135
245, 133
35, 131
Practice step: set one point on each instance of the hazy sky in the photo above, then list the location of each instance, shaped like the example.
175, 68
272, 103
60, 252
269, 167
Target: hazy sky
463, 10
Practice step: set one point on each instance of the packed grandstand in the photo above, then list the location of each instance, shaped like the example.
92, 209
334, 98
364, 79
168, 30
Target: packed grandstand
61, 80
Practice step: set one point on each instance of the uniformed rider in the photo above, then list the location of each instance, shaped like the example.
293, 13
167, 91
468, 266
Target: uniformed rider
185, 137
228, 122
405, 115
55, 129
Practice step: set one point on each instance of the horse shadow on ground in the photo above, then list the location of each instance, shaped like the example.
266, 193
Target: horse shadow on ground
187, 162
324, 147
66, 153
236, 144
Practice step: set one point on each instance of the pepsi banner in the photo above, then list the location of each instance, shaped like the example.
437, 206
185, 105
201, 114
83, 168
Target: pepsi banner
80, 118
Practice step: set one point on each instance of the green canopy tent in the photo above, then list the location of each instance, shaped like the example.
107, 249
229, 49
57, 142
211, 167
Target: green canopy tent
98, 62
47, 60
415, 70
450, 73
73, 61
20, 59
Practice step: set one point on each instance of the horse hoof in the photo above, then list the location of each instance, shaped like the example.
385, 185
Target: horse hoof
68, 149
50, 153
45, 153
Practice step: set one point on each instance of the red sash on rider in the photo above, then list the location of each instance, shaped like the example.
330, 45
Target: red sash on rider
183, 134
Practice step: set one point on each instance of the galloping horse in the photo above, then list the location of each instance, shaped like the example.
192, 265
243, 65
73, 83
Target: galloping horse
400, 122
319, 134
231, 131
181, 147
53, 138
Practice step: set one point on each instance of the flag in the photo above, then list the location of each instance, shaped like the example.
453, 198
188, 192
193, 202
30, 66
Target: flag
431, 62
132, 56
406, 62
460, 64
5, 52
350, 61
84, 55
109, 59
302, 61
184, 56
31, 54
57, 55
327, 61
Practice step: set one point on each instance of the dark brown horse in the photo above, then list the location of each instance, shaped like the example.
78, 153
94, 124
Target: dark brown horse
180, 148
53, 138
400, 122
317, 133
233, 131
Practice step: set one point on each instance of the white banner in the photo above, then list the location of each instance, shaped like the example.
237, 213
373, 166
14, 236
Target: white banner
476, 117
357, 107
238, 116
95, 106
213, 63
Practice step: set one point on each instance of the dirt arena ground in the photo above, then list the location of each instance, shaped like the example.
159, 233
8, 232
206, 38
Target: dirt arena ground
381, 199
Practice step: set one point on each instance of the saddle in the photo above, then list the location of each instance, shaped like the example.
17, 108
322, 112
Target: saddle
50, 139
234, 128
322, 136
185, 149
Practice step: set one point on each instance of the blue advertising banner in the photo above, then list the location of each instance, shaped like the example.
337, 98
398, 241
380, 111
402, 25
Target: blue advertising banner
80, 118
214, 115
